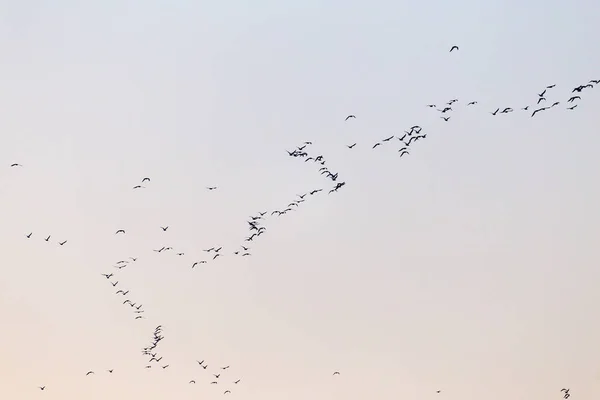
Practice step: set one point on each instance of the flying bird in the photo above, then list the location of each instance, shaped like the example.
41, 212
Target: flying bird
227, 391
15, 165
238, 381
336, 373
351, 146
350, 116
164, 228
453, 48
42, 387
89, 373
29, 236
62, 243
145, 180
119, 231
211, 187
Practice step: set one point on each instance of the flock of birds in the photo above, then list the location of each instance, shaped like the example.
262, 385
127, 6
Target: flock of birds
256, 225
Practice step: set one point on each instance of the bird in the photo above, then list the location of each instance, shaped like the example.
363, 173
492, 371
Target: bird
446, 118
495, 112
119, 231
336, 373
438, 391
107, 276
571, 108
211, 187
164, 228
48, 238
542, 94
225, 367
62, 243
29, 236
110, 371
453, 48
227, 391
376, 144
472, 103
388, 139
192, 381
573, 99
238, 381
42, 387
538, 110
89, 373
217, 375
351, 146
15, 165
165, 366
550, 87
145, 180
350, 116
138, 187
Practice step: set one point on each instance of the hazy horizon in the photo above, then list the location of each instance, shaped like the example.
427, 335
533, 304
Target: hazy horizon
468, 266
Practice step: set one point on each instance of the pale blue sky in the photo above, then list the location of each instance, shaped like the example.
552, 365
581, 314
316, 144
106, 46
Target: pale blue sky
469, 266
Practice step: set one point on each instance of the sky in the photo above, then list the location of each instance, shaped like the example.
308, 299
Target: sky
469, 266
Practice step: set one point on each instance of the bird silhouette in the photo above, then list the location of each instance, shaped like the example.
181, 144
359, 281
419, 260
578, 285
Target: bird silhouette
454, 48
350, 116
351, 146
120, 231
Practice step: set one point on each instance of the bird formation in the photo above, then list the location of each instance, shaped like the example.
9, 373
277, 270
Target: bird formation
256, 223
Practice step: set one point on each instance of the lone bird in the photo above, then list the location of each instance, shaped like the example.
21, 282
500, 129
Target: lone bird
351, 146
350, 116
119, 231
453, 48
164, 228
89, 373
336, 373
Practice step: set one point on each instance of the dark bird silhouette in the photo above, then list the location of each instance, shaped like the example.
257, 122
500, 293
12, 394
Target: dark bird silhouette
29, 236
225, 367
525, 108
351, 146
542, 94
192, 381
165, 366
211, 187
388, 139
110, 371
555, 104
431, 105
472, 103
350, 116
42, 387
495, 112
164, 228
115, 284
48, 238
107, 276
15, 165
453, 48
217, 375
336, 373
227, 391
62, 243
138, 187
506, 110
438, 391
541, 99
119, 231
89, 373
550, 87
446, 118
238, 381
376, 144
145, 180
538, 110
572, 108
572, 99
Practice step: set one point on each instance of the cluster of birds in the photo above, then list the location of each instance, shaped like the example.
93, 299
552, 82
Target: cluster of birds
300, 153
151, 351
47, 239
256, 223
216, 376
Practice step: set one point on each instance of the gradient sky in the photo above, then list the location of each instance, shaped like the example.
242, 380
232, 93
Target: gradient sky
470, 266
